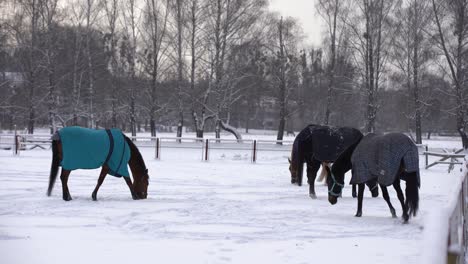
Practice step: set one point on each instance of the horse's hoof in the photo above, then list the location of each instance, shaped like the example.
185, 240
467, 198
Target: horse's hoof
405, 218
358, 214
67, 199
354, 195
313, 196
94, 198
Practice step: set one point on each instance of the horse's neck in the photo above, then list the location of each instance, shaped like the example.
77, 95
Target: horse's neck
136, 163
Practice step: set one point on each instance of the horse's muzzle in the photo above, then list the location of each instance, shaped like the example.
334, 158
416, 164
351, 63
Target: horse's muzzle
140, 196
332, 199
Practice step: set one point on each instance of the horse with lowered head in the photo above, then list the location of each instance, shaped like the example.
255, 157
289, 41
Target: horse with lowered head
82, 148
319, 145
386, 159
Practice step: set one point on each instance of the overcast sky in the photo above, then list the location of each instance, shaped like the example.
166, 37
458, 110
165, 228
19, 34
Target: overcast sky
304, 11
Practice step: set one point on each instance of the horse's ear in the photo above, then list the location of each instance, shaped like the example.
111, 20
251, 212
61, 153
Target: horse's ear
289, 160
146, 171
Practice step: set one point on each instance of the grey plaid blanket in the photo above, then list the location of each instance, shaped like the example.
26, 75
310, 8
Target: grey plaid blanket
380, 156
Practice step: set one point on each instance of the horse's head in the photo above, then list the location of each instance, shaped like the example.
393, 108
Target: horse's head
293, 171
140, 185
335, 183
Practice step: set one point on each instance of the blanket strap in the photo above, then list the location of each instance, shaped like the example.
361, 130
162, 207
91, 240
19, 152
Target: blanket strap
111, 146
121, 159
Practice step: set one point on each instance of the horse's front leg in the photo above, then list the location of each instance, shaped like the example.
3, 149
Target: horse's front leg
401, 197
64, 178
130, 186
354, 194
387, 199
361, 187
312, 168
102, 176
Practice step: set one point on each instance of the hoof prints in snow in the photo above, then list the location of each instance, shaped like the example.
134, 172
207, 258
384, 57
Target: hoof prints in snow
201, 212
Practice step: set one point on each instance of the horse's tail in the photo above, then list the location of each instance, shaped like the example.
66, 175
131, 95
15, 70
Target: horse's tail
412, 193
323, 173
54, 167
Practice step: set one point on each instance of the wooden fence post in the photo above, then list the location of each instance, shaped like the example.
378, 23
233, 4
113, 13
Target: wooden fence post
254, 151
16, 142
206, 149
427, 156
158, 149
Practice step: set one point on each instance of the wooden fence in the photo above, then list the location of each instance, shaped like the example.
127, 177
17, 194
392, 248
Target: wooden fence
446, 230
22, 142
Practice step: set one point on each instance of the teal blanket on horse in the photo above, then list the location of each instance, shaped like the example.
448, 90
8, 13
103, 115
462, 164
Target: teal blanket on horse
85, 148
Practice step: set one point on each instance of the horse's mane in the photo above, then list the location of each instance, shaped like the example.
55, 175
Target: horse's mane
135, 151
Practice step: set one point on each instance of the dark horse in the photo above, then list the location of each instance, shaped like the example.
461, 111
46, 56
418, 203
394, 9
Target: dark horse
386, 159
316, 145
82, 148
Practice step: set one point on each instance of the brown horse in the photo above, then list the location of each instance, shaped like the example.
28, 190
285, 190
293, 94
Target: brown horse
138, 188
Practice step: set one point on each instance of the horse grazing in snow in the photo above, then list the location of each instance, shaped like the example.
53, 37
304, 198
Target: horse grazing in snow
385, 159
320, 145
82, 148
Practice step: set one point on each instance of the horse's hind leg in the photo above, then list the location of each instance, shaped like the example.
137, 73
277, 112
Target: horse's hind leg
64, 178
312, 167
401, 197
360, 197
102, 176
373, 187
353, 193
130, 186
387, 199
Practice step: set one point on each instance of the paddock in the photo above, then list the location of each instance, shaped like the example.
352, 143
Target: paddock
225, 210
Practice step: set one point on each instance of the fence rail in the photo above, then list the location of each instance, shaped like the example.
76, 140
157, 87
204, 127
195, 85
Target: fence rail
21, 142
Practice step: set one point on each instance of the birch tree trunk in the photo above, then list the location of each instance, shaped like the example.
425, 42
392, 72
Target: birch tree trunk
180, 65
90, 8
282, 83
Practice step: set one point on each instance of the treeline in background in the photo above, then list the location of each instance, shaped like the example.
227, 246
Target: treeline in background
213, 65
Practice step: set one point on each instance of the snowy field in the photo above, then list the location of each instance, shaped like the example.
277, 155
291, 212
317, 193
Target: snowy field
227, 210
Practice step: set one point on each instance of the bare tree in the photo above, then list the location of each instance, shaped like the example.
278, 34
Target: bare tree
198, 103
179, 18
229, 24
111, 8
284, 66
26, 27
49, 12
330, 11
77, 16
373, 31
92, 11
131, 34
412, 52
451, 16
156, 17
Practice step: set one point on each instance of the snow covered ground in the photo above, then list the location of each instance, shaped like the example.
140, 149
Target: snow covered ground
227, 210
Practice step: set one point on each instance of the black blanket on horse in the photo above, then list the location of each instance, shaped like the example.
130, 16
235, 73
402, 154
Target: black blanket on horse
325, 143
379, 157
322, 143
